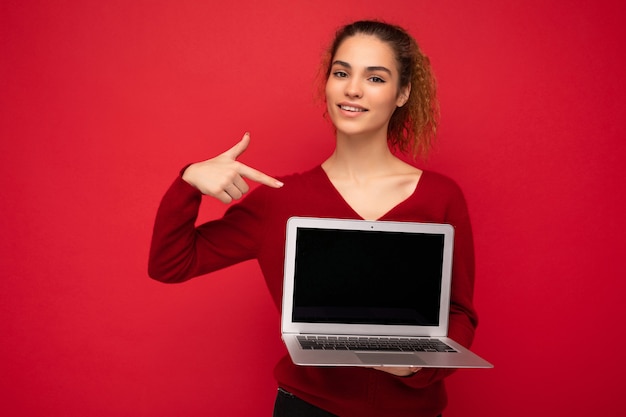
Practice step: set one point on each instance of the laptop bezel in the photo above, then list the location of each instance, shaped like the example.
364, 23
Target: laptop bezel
288, 326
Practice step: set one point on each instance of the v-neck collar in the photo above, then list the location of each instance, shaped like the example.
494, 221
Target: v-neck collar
338, 195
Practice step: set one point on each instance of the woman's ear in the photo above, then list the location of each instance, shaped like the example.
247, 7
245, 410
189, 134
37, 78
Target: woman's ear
403, 95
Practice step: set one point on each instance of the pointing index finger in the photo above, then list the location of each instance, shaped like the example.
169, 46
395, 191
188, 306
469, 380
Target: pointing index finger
258, 176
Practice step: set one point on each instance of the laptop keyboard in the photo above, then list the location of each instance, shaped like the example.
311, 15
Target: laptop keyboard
386, 344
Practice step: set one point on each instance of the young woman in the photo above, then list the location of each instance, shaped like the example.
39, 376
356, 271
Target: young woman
380, 96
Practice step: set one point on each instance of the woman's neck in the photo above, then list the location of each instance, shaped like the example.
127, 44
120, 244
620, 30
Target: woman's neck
369, 177
360, 157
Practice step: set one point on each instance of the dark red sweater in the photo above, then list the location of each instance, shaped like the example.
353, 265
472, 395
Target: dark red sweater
255, 228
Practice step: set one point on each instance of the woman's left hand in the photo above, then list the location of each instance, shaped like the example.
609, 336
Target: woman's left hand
398, 371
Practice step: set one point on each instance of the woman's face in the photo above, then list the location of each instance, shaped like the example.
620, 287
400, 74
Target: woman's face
362, 90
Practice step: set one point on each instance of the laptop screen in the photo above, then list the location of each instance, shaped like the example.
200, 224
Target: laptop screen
367, 277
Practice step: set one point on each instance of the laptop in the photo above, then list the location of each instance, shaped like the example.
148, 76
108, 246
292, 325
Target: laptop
369, 293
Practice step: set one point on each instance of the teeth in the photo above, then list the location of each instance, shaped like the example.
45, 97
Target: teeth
350, 108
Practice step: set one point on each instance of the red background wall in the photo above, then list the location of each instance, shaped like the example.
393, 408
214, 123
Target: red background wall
102, 102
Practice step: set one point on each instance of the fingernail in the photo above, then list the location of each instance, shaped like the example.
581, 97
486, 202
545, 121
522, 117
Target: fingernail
279, 184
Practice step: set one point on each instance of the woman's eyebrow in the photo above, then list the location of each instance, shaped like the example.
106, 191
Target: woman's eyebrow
369, 69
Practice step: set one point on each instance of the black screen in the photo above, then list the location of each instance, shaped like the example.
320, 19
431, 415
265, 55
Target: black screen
367, 277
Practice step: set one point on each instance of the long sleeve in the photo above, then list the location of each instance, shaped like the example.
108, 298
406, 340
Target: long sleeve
180, 250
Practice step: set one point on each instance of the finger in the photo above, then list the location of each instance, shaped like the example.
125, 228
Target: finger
241, 184
258, 176
239, 148
398, 371
234, 192
223, 197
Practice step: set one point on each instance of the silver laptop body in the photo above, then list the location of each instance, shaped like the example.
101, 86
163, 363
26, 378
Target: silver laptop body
369, 293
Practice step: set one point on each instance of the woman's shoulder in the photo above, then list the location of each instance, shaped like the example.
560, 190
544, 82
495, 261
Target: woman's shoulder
295, 185
307, 180
438, 182
442, 194
314, 173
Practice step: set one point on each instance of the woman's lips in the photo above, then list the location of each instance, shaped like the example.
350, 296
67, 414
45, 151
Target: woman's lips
349, 108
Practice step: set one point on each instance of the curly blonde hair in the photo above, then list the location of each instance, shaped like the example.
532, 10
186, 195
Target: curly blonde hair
413, 127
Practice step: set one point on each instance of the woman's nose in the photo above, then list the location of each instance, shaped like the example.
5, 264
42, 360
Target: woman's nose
354, 89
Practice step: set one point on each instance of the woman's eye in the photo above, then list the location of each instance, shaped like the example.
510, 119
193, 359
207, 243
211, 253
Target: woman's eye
376, 79
340, 74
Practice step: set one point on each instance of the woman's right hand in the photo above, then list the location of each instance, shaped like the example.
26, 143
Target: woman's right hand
222, 177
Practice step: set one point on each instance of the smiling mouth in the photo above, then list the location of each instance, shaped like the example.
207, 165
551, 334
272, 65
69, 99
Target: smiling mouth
352, 109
